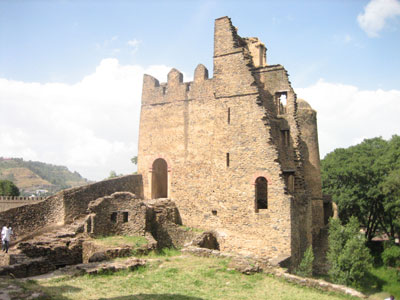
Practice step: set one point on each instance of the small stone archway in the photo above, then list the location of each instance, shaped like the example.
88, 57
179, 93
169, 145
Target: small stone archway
159, 179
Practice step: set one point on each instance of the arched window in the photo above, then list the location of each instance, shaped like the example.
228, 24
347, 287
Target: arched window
261, 193
159, 179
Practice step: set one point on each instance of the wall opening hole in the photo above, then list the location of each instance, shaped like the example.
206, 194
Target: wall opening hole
114, 217
280, 102
229, 115
227, 160
289, 180
285, 134
261, 193
159, 179
214, 212
125, 216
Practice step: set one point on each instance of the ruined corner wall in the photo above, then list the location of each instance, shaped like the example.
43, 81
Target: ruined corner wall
284, 120
214, 136
76, 200
308, 125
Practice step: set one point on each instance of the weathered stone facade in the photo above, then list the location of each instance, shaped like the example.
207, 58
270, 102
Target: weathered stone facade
231, 154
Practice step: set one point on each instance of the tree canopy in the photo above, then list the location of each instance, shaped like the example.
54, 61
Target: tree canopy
364, 180
8, 188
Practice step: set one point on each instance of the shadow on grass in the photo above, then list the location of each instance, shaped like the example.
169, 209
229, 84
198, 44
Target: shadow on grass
371, 284
53, 293
153, 297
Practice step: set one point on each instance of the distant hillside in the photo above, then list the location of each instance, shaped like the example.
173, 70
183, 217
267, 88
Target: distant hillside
32, 176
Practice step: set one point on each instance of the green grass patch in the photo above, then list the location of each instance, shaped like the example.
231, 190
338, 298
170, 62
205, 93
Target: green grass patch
382, 279
163, 253
121, 240
181, 278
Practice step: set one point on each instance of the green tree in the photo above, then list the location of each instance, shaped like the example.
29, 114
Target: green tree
134, 160
348, 256
113, 174
305, 267
390, 220
360, 182
8, 188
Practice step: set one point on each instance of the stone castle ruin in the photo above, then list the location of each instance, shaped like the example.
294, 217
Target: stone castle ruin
237, 153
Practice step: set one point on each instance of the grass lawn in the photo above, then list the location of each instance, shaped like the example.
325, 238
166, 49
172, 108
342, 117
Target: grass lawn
177, 277
381, 279
121, 240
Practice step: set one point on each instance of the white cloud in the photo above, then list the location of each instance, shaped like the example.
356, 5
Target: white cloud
347, 115
376, 14
91, 126
134, 44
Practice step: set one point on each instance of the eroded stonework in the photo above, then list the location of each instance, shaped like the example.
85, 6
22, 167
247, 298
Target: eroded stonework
237, 153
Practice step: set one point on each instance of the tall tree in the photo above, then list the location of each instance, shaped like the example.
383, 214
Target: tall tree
359, 180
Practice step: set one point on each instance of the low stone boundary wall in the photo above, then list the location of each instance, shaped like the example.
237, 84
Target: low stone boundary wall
32, 267
12, 202
21, 198
253, 265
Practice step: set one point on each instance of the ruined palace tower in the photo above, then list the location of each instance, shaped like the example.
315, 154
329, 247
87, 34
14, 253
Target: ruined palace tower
238, 153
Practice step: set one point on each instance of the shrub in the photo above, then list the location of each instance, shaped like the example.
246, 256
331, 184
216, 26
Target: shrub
391, 256
348, 255
305, 267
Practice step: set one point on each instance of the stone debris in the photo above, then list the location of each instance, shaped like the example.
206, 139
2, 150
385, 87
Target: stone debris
102, 267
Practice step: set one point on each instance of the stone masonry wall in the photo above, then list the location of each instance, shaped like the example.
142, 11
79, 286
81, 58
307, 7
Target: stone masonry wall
283, 119
308, 124
76, 200
194, 126
106, 215
29, 218
66, 205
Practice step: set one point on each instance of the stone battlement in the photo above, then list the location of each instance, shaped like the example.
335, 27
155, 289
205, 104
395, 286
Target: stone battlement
174, 89
20, 198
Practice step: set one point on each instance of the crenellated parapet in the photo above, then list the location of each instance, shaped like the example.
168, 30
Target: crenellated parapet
21, 198
175, 89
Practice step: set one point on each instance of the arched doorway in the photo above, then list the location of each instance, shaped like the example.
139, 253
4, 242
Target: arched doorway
159, 179
261, 193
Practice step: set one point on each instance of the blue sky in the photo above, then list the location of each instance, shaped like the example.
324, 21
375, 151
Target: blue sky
72, 69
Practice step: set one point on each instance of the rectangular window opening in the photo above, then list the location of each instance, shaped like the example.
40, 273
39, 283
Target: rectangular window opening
289, 181
280, 102
285, 137
125, 215
229, 115
114, 217
227, 159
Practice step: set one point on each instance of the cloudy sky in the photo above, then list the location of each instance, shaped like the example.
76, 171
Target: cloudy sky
71, 71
